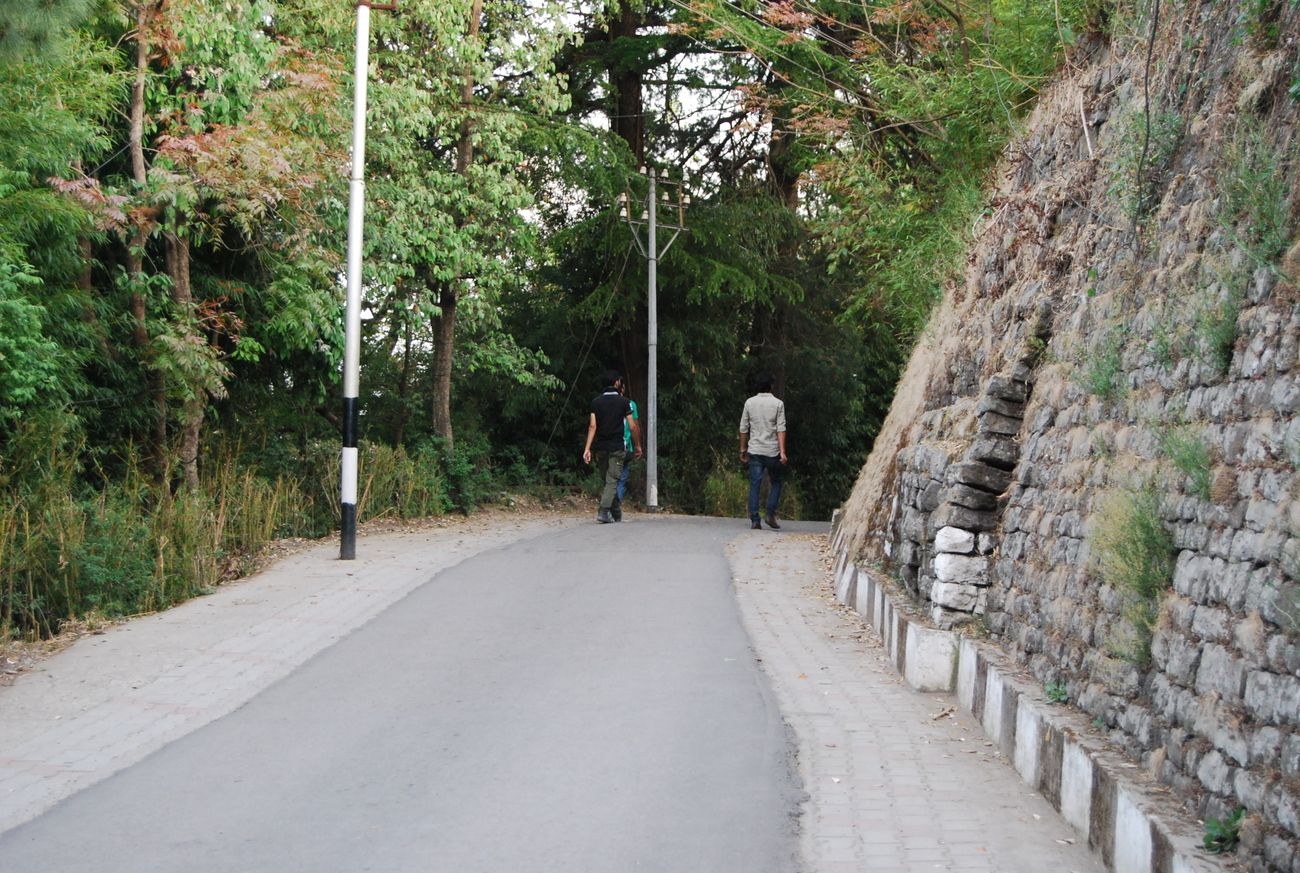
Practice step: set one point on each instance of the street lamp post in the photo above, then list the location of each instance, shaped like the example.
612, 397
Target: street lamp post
652, 253
352, 317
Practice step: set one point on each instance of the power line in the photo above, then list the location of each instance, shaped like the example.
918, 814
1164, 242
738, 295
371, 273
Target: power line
583, 363
756, 50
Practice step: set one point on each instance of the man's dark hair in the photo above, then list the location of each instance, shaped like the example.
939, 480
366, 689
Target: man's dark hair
764, 382
611, 378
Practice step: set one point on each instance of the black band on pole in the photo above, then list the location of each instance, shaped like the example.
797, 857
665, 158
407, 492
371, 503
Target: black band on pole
348, 520
348, 537
350, 417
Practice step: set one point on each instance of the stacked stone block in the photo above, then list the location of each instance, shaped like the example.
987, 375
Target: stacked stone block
971, 505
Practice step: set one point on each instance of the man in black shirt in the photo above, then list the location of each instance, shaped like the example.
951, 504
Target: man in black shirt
609, 410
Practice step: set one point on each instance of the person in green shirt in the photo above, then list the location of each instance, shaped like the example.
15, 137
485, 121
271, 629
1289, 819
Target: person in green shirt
616, 511
611, 415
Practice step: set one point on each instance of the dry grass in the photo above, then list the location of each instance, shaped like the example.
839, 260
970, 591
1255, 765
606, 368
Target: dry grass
18, 654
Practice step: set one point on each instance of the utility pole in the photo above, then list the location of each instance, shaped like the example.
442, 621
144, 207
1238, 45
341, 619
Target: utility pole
352, 320
652, 253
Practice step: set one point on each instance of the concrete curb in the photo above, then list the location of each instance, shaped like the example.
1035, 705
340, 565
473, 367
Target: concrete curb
1127, 823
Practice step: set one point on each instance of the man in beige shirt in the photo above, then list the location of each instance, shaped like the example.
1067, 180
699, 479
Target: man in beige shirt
762, 447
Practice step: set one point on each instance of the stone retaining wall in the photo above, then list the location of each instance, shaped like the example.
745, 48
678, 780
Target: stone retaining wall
1102, 358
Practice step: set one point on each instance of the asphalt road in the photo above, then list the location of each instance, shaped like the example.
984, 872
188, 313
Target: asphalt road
586, 701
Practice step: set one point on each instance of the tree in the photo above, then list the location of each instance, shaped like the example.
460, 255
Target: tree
458, 86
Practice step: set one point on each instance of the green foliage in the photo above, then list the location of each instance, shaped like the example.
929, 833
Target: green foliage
1260, 20
1216, 329
907, 244
469, 471
1190, 456
30, 29
818, 255
1254, 204
1135, 554
29, 368
1139, 157
1103, 372
1057, 692
726, 492
1222, 835
125, 547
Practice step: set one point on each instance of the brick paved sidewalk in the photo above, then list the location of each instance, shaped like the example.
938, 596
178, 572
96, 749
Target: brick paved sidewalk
897, 781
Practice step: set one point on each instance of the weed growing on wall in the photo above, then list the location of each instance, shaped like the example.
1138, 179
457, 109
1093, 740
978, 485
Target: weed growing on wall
1253, 208
1135, 555
1138, 164
1216, 329
1190, 456
1057, 692
1222, 835
1102, 373
1164, 343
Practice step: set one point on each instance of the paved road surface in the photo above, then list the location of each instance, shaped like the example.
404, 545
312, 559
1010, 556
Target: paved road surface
569, 697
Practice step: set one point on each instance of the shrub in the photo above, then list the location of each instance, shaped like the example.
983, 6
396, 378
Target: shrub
1254, 204
1135, 553
1140, 159
1216, 330
1103, 372
726, 492
1222, 835
1191, 457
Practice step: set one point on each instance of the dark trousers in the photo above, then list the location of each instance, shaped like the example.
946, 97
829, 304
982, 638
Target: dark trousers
612, 465
774, 468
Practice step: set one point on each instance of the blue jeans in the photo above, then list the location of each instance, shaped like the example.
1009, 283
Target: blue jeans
757, 465
622, 479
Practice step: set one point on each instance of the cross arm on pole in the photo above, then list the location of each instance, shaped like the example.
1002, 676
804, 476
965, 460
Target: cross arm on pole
652, 251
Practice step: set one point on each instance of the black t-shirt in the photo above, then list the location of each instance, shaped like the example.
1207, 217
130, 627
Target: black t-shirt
610, 409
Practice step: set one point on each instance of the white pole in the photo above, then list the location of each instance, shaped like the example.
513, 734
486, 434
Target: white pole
652, 379
352, 334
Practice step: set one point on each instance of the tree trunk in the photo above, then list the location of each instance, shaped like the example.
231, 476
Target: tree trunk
403, 385
444, 329
628, 118
628, 122
178, 267
135, 251
770, 334
444, 324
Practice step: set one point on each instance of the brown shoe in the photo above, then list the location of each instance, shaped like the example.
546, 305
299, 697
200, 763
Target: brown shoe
771, 521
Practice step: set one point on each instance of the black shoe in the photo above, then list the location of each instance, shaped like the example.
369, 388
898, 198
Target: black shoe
771, 521
755, 525
604, 517
616, 514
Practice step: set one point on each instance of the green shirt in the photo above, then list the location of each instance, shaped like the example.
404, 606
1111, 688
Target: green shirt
627, 429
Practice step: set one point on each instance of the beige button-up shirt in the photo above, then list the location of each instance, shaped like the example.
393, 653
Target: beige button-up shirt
763, 419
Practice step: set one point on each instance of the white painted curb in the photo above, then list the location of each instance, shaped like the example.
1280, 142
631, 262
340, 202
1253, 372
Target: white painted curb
1094, 789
